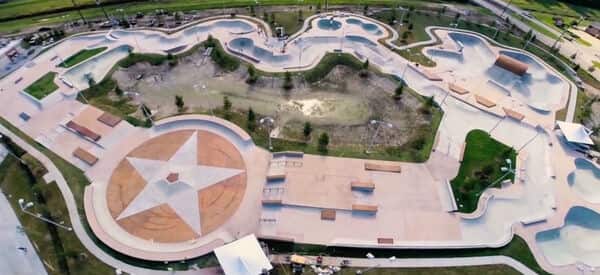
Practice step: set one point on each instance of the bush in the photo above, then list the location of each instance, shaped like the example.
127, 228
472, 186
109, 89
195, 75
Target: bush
251, 123
323, 143
252, 75
288, 83
179, 102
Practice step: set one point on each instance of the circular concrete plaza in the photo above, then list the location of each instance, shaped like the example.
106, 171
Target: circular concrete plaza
178, 186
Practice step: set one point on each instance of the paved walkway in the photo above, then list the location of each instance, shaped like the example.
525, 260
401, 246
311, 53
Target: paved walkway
12, 260
417, 262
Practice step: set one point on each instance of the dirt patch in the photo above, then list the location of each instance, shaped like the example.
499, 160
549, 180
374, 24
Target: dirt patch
341, 104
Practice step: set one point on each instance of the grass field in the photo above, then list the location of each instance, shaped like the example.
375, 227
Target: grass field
557, 7
471, 270
80, 57
480, 168
61, 250
17, 15
43, 86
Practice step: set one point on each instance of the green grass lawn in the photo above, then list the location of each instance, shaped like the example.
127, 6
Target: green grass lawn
80, 57
291, 20
480, 168
61, 250
538, 28
470, 270
18, 15
43, 86
557, 7
416, 55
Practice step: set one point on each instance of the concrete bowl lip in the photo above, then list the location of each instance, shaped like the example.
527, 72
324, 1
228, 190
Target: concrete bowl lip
180, 250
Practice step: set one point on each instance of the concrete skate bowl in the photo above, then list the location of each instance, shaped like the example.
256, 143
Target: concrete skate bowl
245, 47
541, 89
368, 27
585, 180
577, 241
96, 67
329, 24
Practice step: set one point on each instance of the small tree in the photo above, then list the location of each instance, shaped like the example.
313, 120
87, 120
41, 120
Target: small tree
227, 108
457, 17
252, 75
300, 15
179, 102
251, 120
272, 20
364, 71
365, 9
410, 26
307, 130
252, 11
323, 143
288, 84
265, 16
399, 90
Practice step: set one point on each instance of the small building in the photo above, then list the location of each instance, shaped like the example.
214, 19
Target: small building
594, 29
243, 257
575, 133
511, 64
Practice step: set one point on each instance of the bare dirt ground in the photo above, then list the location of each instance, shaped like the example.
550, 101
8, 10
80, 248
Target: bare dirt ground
342, 103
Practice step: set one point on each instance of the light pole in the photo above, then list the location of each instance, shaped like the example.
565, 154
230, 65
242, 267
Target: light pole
269, 122
377, 124
24, 207
79, 11
508, 169
505, 8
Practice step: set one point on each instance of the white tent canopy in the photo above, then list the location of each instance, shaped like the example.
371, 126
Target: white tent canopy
575, 133
243, 257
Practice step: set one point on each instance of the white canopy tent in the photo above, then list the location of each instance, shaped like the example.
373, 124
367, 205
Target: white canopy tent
575, 132
243, 257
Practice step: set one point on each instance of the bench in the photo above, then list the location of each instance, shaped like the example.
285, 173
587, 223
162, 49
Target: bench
457, 89
392, 168
328, 214
109, 119
513, 114
83, 131
272, 202
484, 101
85, 156
385, 240
362, 185
364, 208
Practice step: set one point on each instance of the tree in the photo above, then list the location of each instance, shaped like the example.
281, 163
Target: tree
272, 20
365, 9
410, 26
323, 142
251, 120
288, 84
227, 108
364, 72
179, 102
456, 17
252, 75
307, 130
252, 11
399, 90
300, 15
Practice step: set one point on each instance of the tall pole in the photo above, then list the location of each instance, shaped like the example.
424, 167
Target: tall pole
505, 8
79, 11
103, 11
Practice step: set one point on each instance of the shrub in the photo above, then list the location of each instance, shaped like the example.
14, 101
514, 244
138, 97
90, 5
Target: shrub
307, 130
179, 102
323, 143
288, 83
251, 123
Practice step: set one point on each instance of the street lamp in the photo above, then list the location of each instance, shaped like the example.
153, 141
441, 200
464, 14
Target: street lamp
269, 122
505, 8
377, 124
24, 206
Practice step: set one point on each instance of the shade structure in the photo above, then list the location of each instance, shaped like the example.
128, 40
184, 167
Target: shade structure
575, 132
243, 257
